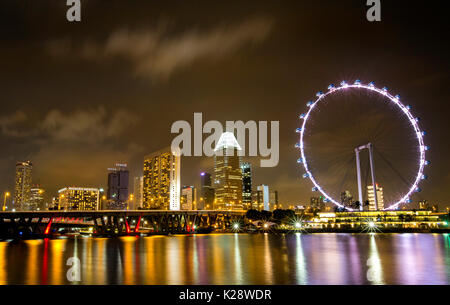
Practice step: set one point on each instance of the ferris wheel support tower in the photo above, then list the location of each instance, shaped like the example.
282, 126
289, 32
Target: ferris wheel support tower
368, 146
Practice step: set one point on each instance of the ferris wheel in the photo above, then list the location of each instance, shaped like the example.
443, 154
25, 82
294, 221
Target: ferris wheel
405, 115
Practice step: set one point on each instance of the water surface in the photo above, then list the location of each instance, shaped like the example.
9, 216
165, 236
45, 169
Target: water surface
232, 259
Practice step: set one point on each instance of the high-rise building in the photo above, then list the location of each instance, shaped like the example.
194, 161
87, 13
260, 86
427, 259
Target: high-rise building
346, 198
206, 200
54, 204
227, 173
79, 198
188, 197
317, 203
162, 180
371, 197
22, 187
264, 198
273, 199
37, 198
246, 185
137, 192
118, 181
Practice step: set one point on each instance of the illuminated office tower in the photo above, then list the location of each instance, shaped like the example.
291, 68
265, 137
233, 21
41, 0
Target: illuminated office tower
370, 195
317, 203
79, 198
246, 185
347, 198
188, 197
264, 198
22, 187
37, 198
137, 192
206, 200
162, 180
227, 173
273, 199
117, 194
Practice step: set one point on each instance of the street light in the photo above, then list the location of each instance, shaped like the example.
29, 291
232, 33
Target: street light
4, 201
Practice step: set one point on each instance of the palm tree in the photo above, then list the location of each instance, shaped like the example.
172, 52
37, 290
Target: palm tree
366, 203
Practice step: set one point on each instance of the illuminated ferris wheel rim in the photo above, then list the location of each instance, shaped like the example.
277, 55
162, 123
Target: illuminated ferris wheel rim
394, 99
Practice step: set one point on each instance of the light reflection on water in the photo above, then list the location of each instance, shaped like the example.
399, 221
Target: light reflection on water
233, 259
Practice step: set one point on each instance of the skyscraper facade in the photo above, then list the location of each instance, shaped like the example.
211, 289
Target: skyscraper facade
371, 197
246, 185
22, 186
317, 202
264, 198
118, 181
138, 188
78, 198
227, 173
37, 198
188, 197
161, 182
206, 200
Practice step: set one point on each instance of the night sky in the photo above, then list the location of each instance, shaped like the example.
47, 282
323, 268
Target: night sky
79, 97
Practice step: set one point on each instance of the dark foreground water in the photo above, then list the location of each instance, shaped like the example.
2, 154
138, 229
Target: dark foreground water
233, 259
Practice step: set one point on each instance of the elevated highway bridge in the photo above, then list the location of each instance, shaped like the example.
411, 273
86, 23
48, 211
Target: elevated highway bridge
29, 224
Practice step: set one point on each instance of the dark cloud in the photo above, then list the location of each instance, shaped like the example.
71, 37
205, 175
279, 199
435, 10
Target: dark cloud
156, 54
60, 138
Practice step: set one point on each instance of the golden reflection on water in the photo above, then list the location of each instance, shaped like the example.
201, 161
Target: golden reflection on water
32, 264
237, 261
232, 259
127, 258
58, 263
3, 260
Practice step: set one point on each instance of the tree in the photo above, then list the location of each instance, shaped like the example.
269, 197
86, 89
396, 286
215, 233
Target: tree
279, 214
265, 215
366, 203
253, 214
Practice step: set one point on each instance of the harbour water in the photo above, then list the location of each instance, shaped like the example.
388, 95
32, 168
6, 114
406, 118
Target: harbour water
232, 259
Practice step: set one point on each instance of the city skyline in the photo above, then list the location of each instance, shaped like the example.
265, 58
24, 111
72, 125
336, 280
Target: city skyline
224, 151
72, 142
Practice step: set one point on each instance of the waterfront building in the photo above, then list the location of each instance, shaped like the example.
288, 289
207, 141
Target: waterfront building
246, 185
37, 198
371, 197
381, 219
264, 198
188, 198
161, 180
207, 193
227, 173
22, 186
78, 198
117, 193
138, 187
